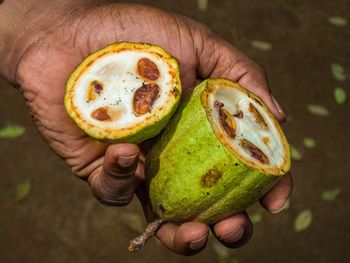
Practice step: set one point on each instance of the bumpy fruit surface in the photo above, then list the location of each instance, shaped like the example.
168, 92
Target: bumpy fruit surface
126, 92
220, 153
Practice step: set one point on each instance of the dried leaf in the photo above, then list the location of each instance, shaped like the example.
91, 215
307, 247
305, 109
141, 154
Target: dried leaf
330, 195
23, 190
339, 95
303, 220
11, 131
338, 72
337, 21
255, 218
309, 142
261, 45
202, 5
318, 110
295, 154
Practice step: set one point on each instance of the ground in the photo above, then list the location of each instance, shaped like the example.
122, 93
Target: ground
60, 221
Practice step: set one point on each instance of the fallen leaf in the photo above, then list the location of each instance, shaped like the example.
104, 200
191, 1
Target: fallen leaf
255, 218
202, 5
295, 154
303, 220
23, 190
338, 72
261, 45
287, 205
340, 95
330, 195
309, 142
318, 110
337, 21
11, 131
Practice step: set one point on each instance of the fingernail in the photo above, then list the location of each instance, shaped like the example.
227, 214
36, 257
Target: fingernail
234, 236
284, 206
278, 106
198, 244
125, 161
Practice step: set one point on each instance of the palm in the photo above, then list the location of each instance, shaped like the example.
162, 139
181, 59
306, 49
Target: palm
47, 65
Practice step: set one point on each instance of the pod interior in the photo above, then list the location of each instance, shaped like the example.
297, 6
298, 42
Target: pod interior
122, 89
246, 127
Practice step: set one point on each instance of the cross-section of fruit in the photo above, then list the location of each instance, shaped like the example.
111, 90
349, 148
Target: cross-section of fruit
125, 92
220, 153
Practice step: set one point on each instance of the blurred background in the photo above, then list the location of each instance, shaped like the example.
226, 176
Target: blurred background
48, 215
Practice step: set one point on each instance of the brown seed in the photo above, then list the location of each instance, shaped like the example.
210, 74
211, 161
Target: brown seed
255, 152
94, 90
218, 104
259, 119
239, 115
227, 123
147, 69
144, 98
101, 114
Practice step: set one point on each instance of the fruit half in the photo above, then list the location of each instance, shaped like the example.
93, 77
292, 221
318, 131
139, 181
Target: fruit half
220, 153
125, 92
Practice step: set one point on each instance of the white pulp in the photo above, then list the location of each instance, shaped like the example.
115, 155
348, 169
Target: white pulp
118, 75
248, 127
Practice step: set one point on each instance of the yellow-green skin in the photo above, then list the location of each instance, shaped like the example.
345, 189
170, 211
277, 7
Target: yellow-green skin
193, 177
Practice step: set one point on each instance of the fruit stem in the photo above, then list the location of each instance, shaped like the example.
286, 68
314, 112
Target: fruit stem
137, 243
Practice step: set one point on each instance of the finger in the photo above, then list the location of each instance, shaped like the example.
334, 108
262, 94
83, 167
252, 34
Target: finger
219, 59
275, 200
234, 231
186, 239
113, 184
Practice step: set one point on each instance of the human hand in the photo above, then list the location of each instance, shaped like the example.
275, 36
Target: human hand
59, 40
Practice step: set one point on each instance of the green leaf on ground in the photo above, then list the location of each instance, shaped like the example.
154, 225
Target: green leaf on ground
338, 72
330, 195
295, 154
255, 218
340, 95
309, 143
303, 220
261, 45
23, 190
11, 131
318, 110
287, 205
337, 21
202, 5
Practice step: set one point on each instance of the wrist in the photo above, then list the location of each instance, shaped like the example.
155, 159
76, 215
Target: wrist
22, 23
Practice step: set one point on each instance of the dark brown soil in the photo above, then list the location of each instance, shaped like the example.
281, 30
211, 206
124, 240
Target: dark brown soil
60, 221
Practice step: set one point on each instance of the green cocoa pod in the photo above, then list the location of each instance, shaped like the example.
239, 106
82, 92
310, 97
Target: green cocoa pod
220, 153
125, 92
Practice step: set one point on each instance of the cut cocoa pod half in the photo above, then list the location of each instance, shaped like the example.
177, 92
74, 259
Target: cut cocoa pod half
126, 92
244, 125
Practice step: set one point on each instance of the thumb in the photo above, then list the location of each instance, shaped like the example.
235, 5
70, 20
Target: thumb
113, 184
219, 59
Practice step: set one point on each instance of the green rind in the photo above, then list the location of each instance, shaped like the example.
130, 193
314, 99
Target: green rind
176, 180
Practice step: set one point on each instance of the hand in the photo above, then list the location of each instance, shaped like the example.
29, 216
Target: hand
115, 172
